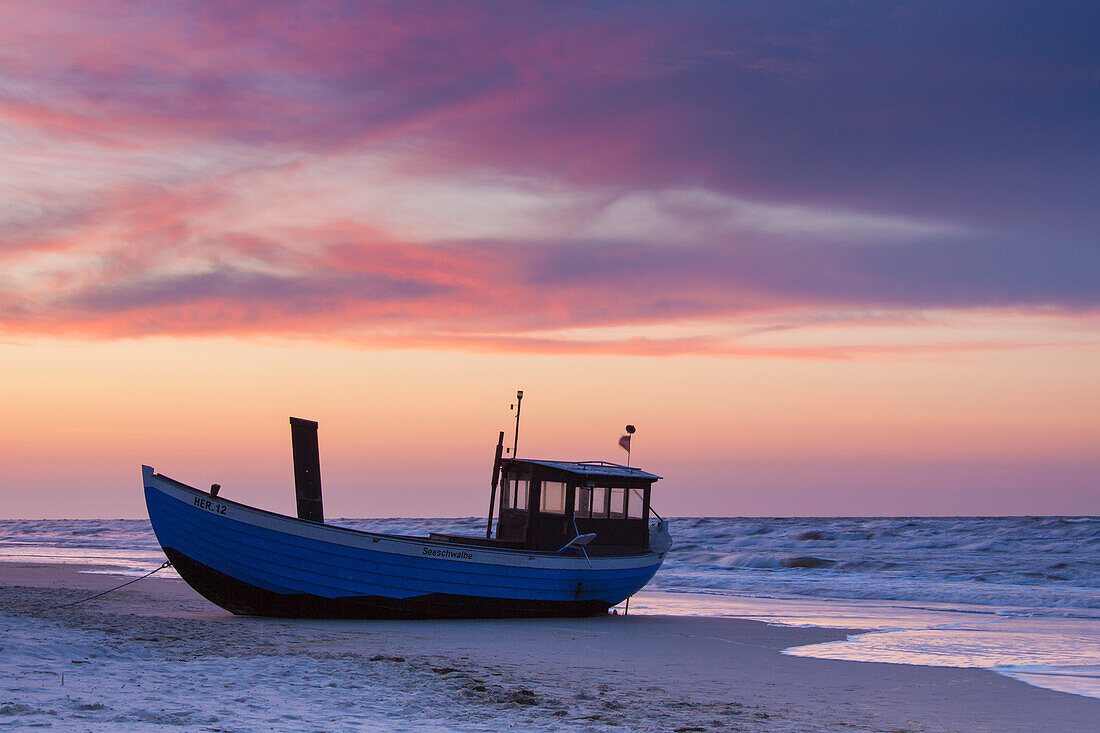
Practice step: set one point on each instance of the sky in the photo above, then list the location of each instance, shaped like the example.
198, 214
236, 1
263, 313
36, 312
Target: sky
835, 258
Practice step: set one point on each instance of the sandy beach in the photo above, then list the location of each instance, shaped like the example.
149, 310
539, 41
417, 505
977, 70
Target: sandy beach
156, 654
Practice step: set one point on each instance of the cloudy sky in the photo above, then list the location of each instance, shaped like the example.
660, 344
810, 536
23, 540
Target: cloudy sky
832, 258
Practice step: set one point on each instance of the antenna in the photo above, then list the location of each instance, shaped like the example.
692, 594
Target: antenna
515, 442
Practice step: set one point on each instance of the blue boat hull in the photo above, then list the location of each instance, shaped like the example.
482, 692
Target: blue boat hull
249, 600
253, 562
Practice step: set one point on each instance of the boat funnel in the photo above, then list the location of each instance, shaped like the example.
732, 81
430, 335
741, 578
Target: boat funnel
307, 469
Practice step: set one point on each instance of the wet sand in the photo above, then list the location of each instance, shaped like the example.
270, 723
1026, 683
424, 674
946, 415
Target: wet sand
155, 653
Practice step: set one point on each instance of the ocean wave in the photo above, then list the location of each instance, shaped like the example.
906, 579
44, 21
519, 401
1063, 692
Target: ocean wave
748, 560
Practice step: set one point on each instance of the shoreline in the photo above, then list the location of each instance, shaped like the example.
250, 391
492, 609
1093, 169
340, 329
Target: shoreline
644, 672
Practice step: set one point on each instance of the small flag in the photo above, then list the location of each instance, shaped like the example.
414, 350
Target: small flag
624, 443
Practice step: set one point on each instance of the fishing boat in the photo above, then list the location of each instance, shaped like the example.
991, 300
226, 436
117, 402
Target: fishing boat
572, 538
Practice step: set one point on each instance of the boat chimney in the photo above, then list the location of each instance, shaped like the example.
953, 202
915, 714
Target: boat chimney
307, 469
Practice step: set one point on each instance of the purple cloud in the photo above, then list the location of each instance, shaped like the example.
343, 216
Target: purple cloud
987, 119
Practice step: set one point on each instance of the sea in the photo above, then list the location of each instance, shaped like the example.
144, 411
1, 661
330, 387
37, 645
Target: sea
1016, 595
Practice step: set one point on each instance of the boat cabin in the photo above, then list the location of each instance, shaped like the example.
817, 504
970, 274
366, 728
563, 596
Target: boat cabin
545, 504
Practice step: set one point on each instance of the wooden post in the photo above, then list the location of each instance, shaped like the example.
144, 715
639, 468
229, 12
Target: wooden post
496, 480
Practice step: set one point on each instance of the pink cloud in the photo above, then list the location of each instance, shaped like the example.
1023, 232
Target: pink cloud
354, 284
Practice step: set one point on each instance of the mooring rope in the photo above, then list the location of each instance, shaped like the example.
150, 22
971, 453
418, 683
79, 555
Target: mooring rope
167, 564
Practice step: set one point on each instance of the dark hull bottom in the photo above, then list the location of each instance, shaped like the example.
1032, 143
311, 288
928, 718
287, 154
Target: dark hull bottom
245, 599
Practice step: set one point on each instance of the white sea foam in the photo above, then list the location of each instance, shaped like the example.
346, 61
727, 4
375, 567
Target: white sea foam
1059, 654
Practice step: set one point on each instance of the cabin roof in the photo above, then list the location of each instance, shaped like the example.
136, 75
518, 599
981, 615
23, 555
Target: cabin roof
591, 468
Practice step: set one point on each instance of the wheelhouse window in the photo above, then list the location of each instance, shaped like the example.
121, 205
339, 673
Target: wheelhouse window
618, 504
515, 494
604, 502
582, 503
553, 498
599, 502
